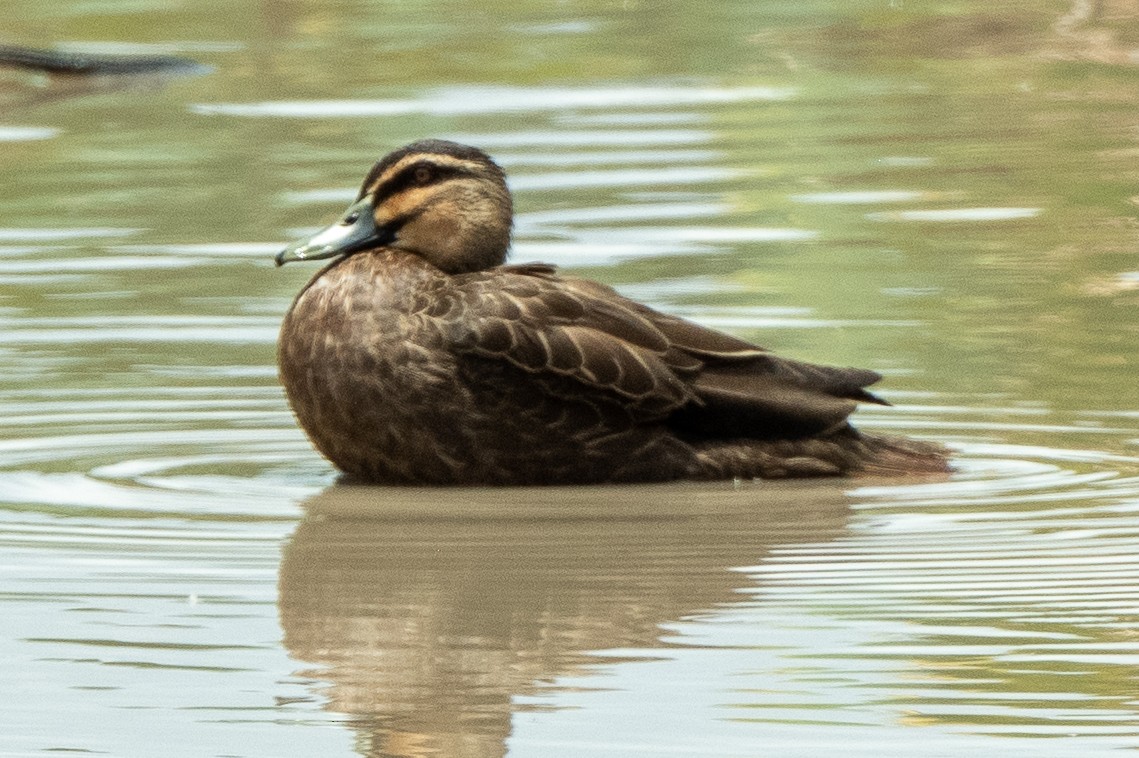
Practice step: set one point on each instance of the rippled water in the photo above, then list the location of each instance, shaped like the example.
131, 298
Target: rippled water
942, 194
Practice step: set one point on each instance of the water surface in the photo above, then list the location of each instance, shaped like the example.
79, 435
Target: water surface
944, 194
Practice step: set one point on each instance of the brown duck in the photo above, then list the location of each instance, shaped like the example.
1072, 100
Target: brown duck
418, 357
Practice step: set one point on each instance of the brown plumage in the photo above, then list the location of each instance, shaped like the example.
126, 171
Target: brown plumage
418, 357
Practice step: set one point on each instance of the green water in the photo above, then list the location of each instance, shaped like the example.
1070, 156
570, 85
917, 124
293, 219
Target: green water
943, 192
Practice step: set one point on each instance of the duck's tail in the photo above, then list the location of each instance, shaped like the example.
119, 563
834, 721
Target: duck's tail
899, 456
847, 452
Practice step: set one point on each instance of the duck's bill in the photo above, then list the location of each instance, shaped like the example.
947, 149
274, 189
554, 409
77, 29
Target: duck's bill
356, 230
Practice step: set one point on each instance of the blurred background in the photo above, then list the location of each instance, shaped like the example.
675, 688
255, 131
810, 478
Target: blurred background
944, 192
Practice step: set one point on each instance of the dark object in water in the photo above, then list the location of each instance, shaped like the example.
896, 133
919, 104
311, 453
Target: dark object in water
418, 357
87, 64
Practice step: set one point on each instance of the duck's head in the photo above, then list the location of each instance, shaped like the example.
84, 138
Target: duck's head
445, 202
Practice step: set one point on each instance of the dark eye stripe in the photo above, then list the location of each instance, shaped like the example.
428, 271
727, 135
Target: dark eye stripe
407, 178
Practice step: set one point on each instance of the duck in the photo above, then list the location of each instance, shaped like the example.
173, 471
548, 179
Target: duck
63, 63
418, 356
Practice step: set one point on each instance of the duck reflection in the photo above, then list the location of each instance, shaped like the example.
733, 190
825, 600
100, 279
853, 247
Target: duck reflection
430, 612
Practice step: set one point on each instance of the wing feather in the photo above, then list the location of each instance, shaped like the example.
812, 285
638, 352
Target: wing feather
708, 384
531, 320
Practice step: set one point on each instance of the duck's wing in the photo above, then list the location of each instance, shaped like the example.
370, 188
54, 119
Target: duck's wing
747, 391
529, 317
707, 382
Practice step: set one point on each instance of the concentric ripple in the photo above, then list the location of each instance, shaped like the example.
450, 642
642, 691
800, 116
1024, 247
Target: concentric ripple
1001, 602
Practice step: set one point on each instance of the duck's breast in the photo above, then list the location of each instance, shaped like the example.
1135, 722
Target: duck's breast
370, 381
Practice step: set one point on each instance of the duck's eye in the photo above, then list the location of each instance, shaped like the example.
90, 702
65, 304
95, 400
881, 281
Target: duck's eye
350, 219
423, 175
